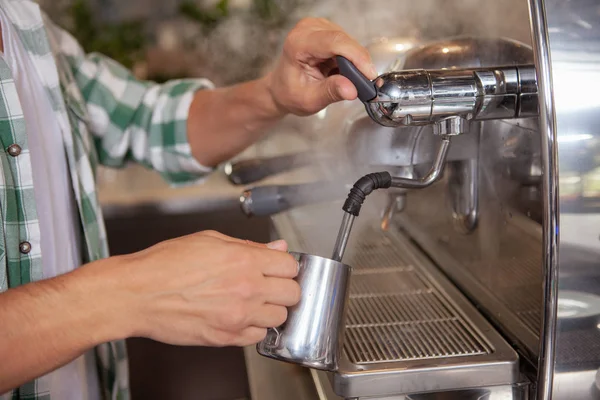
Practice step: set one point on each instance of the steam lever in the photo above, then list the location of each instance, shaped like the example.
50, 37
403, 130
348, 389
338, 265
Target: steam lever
365, 88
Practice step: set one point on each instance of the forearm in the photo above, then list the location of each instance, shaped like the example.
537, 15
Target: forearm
49, 323
225, 121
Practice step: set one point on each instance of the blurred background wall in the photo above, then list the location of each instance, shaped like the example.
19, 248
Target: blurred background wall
233, 40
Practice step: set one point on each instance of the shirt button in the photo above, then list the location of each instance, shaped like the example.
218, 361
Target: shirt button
24, 247
14, 150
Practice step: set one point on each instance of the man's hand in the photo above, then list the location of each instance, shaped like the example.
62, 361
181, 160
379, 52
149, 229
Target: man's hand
300, 83
204, 289
225, 121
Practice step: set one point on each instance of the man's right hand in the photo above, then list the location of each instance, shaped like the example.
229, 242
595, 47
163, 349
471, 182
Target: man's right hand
203, 289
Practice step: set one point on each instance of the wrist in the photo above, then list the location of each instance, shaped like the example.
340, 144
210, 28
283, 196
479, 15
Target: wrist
272, 104
108, 299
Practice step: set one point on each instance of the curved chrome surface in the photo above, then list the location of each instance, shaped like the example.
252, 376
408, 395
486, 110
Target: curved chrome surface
567, 44
312, 334
550, 193
433, 174
463, 191
386, 51
467, 52
417, 97
477, 78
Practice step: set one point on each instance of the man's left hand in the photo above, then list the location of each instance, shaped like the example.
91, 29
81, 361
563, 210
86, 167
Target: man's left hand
301, 83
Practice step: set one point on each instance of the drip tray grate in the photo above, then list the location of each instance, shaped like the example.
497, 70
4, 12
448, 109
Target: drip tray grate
413, 341
403, 316
396, 315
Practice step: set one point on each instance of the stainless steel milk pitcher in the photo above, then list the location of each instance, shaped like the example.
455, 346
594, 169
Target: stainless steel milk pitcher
313, 333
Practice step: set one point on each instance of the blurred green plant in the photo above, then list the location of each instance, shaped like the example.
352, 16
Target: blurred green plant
207, 18
267, 11
124, 42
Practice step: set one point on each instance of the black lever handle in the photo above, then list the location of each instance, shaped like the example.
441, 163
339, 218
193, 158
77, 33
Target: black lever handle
253, 170
366, 89
268, 200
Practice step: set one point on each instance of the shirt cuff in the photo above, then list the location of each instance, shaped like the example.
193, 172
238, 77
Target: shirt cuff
180, 166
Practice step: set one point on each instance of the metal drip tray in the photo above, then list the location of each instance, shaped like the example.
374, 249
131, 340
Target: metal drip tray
408, 330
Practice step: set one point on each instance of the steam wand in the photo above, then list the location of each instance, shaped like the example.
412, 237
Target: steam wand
382, 180
342, 237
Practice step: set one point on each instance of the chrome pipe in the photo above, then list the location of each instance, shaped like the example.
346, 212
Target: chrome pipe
342, 237
434, 172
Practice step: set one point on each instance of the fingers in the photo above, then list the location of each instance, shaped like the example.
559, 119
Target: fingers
278, 264
274, 264
329, 67
219, 235
280, 245
251, 335
281, 292
331, 41
269, 316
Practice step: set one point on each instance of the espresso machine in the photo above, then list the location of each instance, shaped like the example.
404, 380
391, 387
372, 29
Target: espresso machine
476, 275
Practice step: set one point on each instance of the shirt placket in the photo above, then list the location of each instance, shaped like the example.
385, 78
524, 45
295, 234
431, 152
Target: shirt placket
17, 201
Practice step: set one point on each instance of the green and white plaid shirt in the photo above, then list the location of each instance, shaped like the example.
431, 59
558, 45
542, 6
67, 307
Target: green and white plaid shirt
106, 117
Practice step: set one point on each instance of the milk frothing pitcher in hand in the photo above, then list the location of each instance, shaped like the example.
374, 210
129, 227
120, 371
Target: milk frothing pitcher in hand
313, 333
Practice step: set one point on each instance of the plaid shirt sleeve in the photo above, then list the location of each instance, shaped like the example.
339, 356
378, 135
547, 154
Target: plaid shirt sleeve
134, 120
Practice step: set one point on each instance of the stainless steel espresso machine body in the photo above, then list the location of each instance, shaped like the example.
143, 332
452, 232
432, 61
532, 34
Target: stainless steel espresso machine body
482, 282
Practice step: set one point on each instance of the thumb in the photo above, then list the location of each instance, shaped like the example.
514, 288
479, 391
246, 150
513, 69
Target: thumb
338, 88
331, 90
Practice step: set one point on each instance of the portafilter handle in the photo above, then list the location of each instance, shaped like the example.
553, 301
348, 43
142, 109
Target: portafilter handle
255, 169
268, 200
